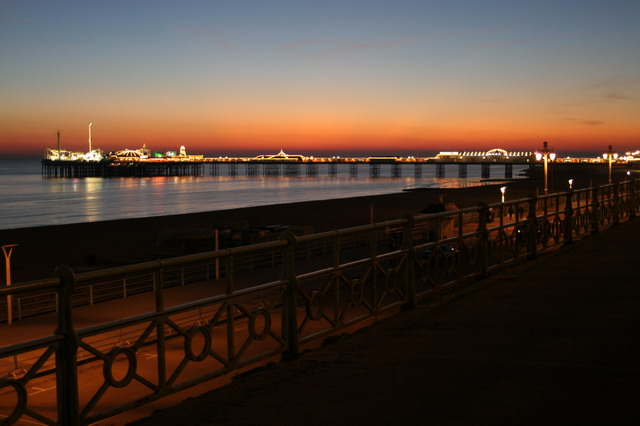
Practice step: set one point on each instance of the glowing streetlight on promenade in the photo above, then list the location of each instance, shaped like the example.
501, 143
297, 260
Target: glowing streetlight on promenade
611, 156
7, 250
547, 156
570, 183
502, 191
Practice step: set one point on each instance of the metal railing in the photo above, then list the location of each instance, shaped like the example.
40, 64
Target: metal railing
297, 291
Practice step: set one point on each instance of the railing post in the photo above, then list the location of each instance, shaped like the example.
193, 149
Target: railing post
67, 368
633, 200
595, 211
568, 218
532, 228
7, 250
158, 285
289, 312
616, 203
409, 253
483, 239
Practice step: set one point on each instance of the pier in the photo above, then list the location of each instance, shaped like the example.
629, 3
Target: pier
283, 164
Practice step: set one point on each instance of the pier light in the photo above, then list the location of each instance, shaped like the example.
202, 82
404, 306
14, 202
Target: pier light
611, 156
502, 191
547, 156
570, 183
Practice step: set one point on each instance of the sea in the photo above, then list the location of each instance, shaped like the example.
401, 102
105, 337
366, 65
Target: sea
27, 199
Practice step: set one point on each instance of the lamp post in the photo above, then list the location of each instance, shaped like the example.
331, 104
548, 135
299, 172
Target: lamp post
7, 250
611, 156
547, 156
502, 191
570, 183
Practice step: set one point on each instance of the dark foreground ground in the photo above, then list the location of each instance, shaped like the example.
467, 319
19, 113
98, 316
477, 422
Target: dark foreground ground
555, 341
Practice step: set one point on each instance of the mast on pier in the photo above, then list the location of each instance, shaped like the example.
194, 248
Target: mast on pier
90, 148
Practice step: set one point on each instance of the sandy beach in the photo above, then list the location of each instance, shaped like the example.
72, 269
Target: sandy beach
98, 245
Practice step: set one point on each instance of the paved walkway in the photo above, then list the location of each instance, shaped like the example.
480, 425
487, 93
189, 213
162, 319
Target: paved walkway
553, 341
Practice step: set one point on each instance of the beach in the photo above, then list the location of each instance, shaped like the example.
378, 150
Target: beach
105, 244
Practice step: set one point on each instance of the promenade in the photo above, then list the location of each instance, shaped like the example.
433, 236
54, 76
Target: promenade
552, 341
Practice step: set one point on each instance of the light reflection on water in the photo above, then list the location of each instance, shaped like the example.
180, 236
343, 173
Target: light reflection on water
29, 200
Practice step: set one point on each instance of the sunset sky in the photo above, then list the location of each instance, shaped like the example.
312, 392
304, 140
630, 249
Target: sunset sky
313, 77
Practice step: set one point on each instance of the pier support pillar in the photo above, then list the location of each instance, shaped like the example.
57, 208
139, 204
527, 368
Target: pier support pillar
272, 169
333, 169
417, 170
312, 169
395, 170
440, 170
292, 169
253, 169
485, 173
353, 169
508, 171
374, 170
462, 170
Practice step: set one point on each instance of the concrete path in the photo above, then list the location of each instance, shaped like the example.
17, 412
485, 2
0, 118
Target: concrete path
553, 341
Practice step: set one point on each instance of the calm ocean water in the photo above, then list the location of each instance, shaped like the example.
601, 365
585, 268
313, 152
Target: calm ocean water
27, 199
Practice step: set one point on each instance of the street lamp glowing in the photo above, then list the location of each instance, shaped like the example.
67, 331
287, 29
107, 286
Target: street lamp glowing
611, 156
547, 156
570, 183
502, 191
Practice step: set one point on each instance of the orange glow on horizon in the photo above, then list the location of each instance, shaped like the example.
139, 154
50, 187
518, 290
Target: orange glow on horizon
310, 136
